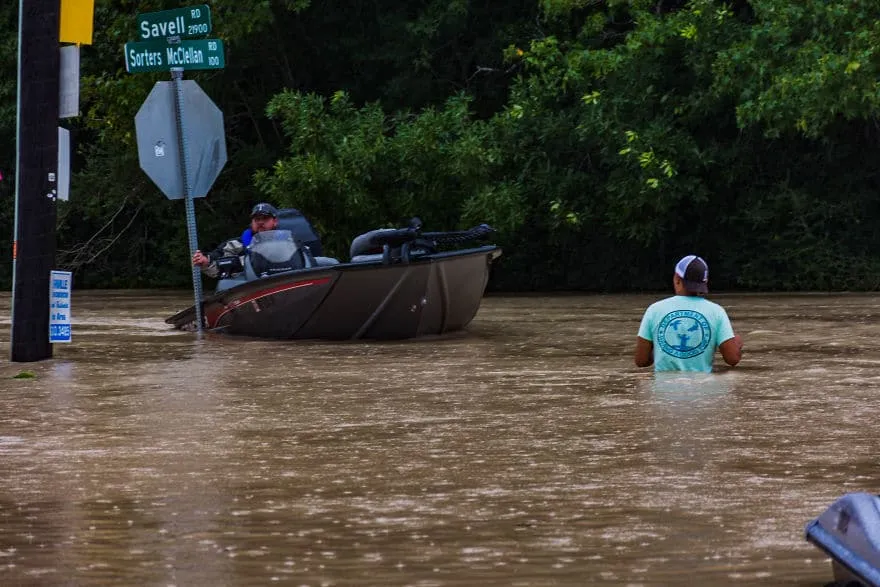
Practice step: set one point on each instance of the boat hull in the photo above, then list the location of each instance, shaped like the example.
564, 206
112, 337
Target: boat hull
849, 532
434, 294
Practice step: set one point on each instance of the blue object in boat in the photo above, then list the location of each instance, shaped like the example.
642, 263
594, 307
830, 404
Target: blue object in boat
849, 532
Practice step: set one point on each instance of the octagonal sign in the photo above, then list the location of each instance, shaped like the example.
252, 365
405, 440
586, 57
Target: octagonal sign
158, 146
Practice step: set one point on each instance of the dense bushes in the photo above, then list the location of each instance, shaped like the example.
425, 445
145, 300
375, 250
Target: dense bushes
604, 140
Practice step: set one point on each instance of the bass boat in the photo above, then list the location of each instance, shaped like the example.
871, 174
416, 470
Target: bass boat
849, 532
399, 283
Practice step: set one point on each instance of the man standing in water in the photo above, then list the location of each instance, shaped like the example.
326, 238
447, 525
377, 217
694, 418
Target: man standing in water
680, 333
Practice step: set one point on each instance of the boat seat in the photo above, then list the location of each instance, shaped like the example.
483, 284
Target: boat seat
293, 220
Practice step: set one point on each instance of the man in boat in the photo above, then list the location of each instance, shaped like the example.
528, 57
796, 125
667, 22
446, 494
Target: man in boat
263, 217
681, 333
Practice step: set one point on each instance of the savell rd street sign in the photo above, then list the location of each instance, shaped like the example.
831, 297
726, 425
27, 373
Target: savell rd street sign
191, 21
159, 55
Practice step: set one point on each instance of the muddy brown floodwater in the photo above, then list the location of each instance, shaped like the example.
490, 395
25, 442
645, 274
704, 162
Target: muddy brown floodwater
526, 451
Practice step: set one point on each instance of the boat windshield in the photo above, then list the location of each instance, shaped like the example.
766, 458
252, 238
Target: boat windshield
275, 246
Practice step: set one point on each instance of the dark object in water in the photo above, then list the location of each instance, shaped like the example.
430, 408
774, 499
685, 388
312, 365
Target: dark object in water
849, 532
400, 283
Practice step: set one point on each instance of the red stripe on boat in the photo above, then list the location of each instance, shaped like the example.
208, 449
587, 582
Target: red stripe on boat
234, 304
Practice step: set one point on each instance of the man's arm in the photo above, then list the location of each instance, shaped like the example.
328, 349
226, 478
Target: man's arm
208, 261
731, 350
644, 352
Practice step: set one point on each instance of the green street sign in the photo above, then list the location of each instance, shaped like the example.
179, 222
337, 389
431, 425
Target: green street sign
144, 56
191, 21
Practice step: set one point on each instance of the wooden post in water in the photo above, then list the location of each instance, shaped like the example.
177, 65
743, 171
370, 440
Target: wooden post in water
36, 178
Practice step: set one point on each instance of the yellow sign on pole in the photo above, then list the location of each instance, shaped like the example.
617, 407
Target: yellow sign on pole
77, 17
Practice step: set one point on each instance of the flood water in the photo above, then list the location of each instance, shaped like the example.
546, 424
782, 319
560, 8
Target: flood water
527, 451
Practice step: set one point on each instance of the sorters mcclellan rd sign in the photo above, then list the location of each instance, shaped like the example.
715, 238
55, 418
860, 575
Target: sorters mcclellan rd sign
159, 55
165, 44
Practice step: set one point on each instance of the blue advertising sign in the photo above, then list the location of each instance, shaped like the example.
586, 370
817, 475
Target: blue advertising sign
59, 305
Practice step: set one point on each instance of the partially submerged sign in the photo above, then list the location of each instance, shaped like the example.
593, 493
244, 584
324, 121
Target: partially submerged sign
180, 136
191, 21
59, 305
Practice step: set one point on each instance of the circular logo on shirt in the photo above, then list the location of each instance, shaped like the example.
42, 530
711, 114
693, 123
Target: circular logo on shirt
684, 334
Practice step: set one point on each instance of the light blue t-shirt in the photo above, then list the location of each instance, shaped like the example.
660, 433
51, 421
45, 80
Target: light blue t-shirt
685, 331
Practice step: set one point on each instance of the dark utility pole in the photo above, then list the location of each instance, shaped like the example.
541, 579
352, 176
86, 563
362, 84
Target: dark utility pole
36, 178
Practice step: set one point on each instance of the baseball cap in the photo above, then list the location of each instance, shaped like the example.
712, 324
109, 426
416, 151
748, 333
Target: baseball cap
264, 209
694, 272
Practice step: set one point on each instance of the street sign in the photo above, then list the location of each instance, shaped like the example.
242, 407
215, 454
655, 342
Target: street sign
63, 188
191, 21
59, 305
143, 56
68, 82
77, 21
158, 146
180, 136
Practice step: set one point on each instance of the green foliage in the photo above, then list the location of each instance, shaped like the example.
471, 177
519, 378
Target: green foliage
8, 101
352, 169
127, 233
666, 113
604, 139
798, 67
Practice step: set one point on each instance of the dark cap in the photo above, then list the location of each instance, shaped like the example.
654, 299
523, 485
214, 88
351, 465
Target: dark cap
264, 209
694, 272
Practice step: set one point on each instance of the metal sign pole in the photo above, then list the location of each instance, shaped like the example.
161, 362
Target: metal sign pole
166, 46
176, 77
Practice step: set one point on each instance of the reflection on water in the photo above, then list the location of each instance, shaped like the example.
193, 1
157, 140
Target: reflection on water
527, 451
681, 388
